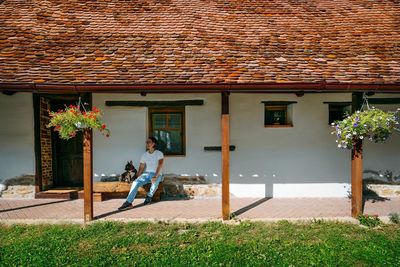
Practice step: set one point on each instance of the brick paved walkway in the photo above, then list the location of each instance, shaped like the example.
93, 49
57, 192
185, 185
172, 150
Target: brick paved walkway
55, 210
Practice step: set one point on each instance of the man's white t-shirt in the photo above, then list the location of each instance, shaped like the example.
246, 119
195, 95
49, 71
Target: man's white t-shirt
151, 160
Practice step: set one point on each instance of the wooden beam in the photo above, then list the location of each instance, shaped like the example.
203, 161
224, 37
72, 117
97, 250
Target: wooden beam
356, 180
344, 103
225, 157
383, 101
356, 165
177, 103
87, 175
37, 145
218, 148
278, 103
376, 101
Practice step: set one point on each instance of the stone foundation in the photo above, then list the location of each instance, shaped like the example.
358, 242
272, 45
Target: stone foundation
176, 186
385, 190
18, 187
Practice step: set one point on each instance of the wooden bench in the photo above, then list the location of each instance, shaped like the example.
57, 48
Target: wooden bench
110, 190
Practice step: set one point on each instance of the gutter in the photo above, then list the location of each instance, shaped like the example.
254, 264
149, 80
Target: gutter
201, 88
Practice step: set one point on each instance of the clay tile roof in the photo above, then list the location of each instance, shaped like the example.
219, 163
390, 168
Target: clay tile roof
192, 41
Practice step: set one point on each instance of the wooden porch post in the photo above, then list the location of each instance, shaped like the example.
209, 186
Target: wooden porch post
356, 166
87, 175
225, 156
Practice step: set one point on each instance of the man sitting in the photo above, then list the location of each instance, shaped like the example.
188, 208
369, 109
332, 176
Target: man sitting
150, 167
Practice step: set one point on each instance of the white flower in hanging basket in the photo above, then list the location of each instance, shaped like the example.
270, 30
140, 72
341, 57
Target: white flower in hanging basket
374, 124
79, 125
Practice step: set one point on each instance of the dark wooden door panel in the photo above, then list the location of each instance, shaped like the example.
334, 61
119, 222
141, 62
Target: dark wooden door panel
69, 155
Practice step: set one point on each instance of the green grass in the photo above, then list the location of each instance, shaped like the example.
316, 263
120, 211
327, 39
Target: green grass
212, 244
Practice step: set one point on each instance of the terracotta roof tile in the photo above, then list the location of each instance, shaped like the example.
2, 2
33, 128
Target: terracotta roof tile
191, 41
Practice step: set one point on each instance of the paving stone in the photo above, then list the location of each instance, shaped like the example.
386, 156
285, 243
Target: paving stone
193, 209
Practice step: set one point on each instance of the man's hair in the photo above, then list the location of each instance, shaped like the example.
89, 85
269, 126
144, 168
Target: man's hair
154, 140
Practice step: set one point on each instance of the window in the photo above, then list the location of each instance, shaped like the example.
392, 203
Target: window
338, 111
167, 125
278, 113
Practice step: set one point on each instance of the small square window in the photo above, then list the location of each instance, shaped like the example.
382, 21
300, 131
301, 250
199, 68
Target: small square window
338, 111
278, 114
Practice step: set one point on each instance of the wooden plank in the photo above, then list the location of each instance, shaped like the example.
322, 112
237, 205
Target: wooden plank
69, 195
383, 101
175, 103
343, 103
356, 180
218, 148
37, 145
356, 165
87, 175
225, 167
375, 101
278, 103
225, 119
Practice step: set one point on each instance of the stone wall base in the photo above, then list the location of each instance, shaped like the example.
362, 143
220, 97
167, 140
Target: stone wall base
176, 186
18, 187
385, 190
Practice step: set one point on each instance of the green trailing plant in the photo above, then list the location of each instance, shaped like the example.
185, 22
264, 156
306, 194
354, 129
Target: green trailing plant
394, 218
72, 119
369, 220
372, 124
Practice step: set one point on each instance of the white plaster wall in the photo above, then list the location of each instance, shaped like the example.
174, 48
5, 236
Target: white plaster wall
280, 158
383, 156
280, 162
16, 135
128, 127
299, 161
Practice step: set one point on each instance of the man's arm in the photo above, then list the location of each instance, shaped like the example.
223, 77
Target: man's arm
141, 169
159, 167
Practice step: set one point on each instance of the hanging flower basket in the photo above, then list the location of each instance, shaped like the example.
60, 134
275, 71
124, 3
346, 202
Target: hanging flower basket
72, 119
372, 124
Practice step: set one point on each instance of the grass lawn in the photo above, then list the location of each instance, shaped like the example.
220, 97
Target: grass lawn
211, 244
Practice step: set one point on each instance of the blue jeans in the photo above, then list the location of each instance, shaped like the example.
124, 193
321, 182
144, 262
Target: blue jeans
143, 179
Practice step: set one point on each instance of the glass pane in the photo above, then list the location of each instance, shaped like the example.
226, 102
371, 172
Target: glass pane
159, 120
275, 116
175, 120
338, 112
169, 142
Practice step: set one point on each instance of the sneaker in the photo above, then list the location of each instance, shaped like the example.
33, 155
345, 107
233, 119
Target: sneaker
147, 201
125, 206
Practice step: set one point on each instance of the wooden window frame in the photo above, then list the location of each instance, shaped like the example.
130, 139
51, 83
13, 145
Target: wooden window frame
281, 107
154, 110
331, 106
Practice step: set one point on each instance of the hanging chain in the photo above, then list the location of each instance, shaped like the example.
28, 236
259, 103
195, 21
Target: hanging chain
80, 104
365, 102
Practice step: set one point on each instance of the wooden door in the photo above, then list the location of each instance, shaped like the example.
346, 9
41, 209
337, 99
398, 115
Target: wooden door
68, 155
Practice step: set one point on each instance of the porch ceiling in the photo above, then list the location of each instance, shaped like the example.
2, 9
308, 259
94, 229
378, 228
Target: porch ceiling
192, 42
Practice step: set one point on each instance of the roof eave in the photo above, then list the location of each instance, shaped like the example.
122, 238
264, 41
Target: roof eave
201, 87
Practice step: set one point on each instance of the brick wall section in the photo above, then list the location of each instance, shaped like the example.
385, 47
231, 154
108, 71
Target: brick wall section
45, 143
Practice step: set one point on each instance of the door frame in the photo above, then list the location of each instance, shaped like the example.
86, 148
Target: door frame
37, 144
